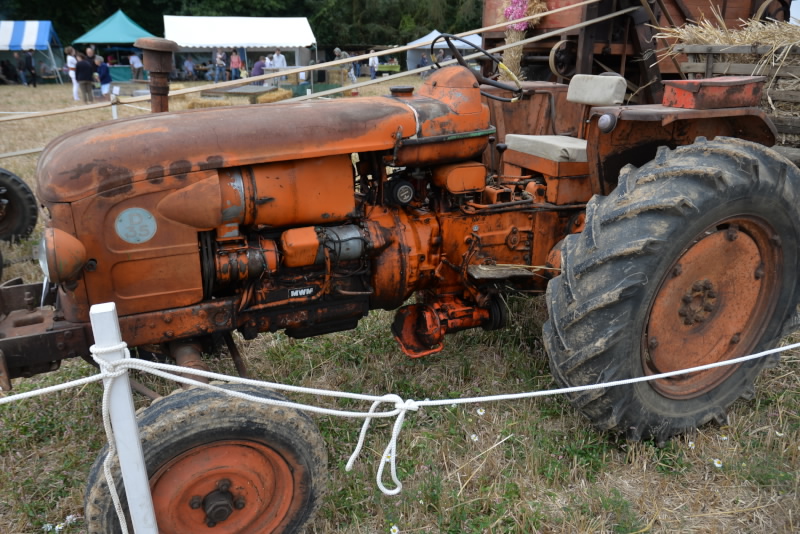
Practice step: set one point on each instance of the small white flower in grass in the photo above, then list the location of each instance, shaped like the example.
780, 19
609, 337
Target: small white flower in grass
723, 437
717, 463
474, 437
71, 518
480, 411
47, 527
394, 529
779, 434
59, 527
388, 458
691, 445
454, 405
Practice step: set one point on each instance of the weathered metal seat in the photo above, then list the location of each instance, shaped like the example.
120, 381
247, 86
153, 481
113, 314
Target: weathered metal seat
583, 89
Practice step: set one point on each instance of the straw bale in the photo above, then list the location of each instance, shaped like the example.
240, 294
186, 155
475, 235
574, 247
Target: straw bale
780, 36
199, 102
274, 96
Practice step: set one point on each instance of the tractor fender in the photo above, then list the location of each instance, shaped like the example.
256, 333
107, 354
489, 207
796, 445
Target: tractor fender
638, 132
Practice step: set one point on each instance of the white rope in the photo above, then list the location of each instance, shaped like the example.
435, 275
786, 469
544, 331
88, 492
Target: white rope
400, 406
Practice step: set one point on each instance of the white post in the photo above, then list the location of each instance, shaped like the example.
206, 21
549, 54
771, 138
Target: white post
114, 97
105, 327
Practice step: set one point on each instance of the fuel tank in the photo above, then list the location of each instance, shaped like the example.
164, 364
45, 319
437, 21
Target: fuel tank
444, 122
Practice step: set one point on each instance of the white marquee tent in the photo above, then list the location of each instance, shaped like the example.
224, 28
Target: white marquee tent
414, 55
258, 34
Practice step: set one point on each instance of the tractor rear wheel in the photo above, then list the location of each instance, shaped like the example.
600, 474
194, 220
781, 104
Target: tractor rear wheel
692, 259
219, 462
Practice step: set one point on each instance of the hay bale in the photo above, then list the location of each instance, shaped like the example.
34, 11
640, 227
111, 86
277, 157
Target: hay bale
274, 96
197, 103
336, 76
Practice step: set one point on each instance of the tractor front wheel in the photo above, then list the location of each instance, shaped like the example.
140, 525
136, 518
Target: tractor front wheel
18, 208
692, 259
219, 462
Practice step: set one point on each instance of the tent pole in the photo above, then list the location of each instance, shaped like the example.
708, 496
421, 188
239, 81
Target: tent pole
55, 67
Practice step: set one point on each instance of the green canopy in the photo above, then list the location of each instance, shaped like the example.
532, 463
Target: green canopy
116, 29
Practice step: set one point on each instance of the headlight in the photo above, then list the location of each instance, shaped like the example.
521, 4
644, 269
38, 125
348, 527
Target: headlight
61, 256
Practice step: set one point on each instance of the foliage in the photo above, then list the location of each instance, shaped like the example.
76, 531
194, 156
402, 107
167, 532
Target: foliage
334, 22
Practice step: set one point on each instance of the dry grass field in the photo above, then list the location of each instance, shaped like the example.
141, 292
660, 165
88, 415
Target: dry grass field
510, 467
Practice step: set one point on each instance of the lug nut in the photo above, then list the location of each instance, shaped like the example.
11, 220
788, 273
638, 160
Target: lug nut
210, 523
239, 503
735, 339
196, 502
677, 270
224, 484
653, 343
759, 274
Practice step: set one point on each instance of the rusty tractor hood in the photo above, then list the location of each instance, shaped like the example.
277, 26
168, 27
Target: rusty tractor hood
104, 157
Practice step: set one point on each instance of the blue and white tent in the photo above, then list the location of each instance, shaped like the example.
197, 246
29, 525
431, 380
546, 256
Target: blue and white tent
32, 34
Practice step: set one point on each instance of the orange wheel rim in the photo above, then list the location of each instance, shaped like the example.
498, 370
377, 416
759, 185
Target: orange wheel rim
713, 305
258, 496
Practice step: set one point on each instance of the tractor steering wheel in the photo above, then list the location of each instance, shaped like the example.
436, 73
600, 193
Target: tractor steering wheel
515, 90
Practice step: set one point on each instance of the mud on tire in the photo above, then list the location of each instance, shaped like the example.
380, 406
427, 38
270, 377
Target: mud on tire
273, 457
691, 259
20, 213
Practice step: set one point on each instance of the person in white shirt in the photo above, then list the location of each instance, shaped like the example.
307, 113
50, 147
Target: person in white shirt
71, 64
373, 66
136, 66
279, 61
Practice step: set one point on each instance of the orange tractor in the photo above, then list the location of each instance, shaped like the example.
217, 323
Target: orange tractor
664, 236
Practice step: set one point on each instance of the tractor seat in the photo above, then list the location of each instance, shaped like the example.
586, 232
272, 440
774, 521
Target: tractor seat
584, 89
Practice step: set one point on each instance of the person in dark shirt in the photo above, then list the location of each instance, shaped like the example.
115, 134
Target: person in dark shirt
84, 73
258, 69
30, 68
104, 75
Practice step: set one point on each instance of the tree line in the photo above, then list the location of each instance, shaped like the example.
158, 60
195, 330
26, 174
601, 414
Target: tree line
345, 23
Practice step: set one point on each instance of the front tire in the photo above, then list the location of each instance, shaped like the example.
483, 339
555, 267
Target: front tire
692, 259
19, 212
219, 462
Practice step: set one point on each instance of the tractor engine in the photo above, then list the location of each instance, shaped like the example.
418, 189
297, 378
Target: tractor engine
299, 216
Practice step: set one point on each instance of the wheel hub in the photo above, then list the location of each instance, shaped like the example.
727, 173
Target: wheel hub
712, 306
698, 303
235, 486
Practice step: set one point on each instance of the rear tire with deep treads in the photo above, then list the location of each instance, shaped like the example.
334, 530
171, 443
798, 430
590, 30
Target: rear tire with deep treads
272, 457
692, 259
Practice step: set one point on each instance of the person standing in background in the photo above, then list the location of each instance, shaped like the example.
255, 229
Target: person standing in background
339, 54
90, 55
236, 65
258, 69
20, 66
136, 66
220, 60
104, 75
30, 68
373, 66
71, 63
84, 73
188, 67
